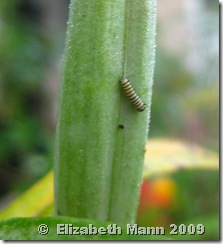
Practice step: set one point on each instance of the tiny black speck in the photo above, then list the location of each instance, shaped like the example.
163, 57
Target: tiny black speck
121, 126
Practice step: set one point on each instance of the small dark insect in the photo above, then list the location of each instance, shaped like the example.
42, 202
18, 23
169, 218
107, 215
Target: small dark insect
131, 94
121, 126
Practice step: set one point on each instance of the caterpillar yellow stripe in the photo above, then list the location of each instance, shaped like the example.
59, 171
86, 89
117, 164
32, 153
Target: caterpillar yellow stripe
132, 95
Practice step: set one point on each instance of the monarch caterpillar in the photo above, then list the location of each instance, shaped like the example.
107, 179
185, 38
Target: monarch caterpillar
131, 94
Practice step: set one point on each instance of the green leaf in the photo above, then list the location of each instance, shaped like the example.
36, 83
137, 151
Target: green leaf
27, 229
36, 201
211, 228
98, 165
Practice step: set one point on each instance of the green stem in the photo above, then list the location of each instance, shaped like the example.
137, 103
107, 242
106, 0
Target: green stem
98, 165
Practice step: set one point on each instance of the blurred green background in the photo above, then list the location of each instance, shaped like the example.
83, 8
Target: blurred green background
31, 46
185, 103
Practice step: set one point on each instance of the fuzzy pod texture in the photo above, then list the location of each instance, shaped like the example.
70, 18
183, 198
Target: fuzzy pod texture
98, 165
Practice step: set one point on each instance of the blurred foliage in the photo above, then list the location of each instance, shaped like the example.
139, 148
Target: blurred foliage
180, 186
181, 106
24, 57
201, 113
170, 82
212, 5
166, 156
184, 197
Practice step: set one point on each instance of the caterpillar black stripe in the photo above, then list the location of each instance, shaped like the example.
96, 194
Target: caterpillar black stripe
131, 94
